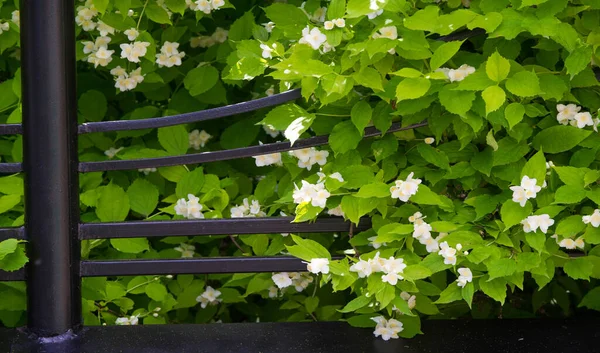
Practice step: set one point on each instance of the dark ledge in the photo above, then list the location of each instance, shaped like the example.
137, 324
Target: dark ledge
485, 336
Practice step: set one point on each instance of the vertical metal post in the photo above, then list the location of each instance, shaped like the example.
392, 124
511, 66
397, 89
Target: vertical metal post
50, 165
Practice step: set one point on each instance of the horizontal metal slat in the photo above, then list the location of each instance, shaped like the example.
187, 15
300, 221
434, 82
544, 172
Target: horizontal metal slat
16, 232
18, 275
203, 115
10, 168
11, 129
267, 225
207, 157
191, 266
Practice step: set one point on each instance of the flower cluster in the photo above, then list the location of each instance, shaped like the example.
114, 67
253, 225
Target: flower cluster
456, 75
85, 16
267, 51
527, 190
147, 171
571, 114
169, 55
112, 152
300, 281
404, 189
449, 253
465, 276
313, 37
532, 223
206, 6
16, 17
98, 53
127, 321
134, 51
127, 81
210, 296
392, 268
570, 244
247, 210
593, 219
198, 139
4, 27
387, 328
422, 232
219, 36
316, 194
186, 250
411, 300
337, 211
338, 22
268, 159
389, 32
308, 157
190, 209
319, 265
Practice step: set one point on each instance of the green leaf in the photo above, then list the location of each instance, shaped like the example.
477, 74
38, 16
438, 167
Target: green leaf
497, 67
157, 14
570, 226
385, 295
8, 246
495, 289
569, 194
560, 138
92, 105
298, 127
571, 175
450, 294
377, 189
14, 261
411, 88
494, 98
242, 27
433, 156
513, 113
512, 213
524, 84
290, 18
531, 2
178, 6
201, 79
369, 77
457, 102
578, 60
190, 183
336, 9
535, 168
355, 304
591, 299
467, 293
7, 202
536, 240
156, 291
344, 137
143, 196
113, 204
501, 268
415, 272
306, 212
101, 5
444, 53
360, 115
282, 116
355, 207
307, 249
174, 139
130, 245
579, 268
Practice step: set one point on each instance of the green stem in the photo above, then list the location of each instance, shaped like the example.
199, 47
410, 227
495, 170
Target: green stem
141, 15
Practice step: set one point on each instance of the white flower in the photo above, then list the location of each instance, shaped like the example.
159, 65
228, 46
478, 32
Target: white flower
394, 265
312, 37
216, 4
147, 171
416, 218
190, 209
204, 6
362, 268
431, 245
374, 14
267, 51
411, 299
111, 152
465, 276
461, 73
247, 209
268, 129
593, 219
422, 230
281, 280
133, 52
319, 265
131, 34
273, 291
269, 26
337, 176
186, 250
210, 296
571, 244
448, 253
389, 32
391, 278
300, 281
328, 25
127, 321
202, 42
169, 55
198, 139
340, 22
566, 113
105, 29
532, 223
527, 190
429, 140
583, 119
337, 211
387, 328
220, 35
316, 194
404, 189
16, 18
101, 57
268, 159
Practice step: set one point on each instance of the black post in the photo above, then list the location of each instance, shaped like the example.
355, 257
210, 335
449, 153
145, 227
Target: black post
50, 165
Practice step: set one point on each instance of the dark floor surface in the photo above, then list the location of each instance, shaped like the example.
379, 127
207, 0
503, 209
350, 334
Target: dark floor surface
498, 336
